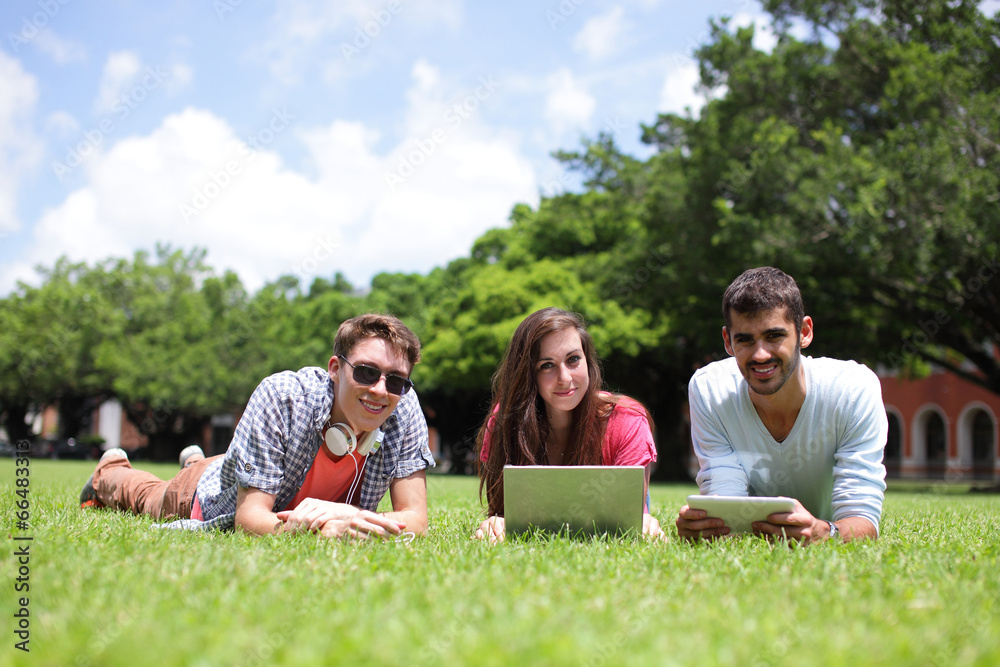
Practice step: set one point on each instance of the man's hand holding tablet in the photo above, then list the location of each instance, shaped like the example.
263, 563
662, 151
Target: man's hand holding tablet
739, 513
714, 516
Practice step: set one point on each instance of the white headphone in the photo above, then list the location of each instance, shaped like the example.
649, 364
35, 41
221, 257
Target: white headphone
341, 441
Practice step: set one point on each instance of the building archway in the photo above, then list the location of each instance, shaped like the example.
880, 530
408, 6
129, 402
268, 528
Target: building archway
930, 441
977, 440
936, 438
892, 457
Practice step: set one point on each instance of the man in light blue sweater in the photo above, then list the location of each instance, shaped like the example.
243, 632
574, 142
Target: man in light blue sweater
771, 422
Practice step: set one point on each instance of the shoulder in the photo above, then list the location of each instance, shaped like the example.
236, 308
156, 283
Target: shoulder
841, 376
716, 381
626, 407
627, 416
306, 380
717, 369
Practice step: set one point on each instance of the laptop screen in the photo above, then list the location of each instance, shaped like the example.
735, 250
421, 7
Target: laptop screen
583, 500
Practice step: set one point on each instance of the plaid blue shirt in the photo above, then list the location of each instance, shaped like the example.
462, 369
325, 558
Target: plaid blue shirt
278, 438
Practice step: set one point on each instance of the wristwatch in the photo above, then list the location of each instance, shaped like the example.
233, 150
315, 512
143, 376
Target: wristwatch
833, 530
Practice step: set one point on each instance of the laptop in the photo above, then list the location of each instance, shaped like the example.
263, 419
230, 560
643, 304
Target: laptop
577, 500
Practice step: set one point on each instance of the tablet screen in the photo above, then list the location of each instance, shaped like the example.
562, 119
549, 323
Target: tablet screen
740, 511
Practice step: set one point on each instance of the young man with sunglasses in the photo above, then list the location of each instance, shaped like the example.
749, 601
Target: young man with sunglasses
315, 450
772, 422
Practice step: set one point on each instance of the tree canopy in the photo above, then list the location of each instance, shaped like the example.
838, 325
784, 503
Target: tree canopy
863, 159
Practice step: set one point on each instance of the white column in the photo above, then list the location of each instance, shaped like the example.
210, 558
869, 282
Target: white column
110, 425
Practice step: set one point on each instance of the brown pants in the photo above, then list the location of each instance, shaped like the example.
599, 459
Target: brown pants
120, 486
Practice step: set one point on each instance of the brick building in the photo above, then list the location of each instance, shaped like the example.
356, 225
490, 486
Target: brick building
941, 427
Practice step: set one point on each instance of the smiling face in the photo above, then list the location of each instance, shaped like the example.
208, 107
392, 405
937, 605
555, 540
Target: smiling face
561, 371
767, 348
366, 407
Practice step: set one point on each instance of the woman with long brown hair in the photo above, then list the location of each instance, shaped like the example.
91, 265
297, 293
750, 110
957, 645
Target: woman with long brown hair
548, 408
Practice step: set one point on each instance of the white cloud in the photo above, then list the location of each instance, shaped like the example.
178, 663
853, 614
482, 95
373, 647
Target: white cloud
801, 30
19, 148
62, 50
989, 7
568, 104
306, 32
601, 35
262, 219
764, 38
120, 70
180, 76
679, 88
61, 124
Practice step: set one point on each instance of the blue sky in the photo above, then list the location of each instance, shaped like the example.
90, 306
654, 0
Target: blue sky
313, 137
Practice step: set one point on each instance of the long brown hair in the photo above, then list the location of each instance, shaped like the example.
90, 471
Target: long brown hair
518, 423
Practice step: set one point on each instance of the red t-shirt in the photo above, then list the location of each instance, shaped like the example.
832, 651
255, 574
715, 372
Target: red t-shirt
627, 438
331, 479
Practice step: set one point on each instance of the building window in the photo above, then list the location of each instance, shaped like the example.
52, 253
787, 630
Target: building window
983, 440
893, 447
934, 434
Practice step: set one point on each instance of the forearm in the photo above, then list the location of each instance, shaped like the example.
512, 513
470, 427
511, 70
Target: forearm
257, 521
254, 512
856, 528
409, 502
416, 522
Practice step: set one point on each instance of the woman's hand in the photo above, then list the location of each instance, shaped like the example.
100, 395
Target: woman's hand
492, 528
651, 528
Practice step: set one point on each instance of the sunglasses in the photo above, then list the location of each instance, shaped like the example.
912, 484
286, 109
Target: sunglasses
369, 375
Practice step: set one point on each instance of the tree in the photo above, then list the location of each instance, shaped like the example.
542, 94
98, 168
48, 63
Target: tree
167, 348
47, 337
574, 252
867, 168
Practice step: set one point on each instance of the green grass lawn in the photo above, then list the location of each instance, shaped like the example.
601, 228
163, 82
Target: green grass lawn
106, 589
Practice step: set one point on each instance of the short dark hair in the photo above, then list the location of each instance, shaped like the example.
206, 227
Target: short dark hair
375, 325
762, 289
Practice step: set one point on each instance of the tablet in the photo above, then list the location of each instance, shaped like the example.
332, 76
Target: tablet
740, 511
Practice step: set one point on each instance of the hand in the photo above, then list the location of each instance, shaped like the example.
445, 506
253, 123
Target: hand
363, 525
696, 524
651, 528
492, 528
798, 525
311, 514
